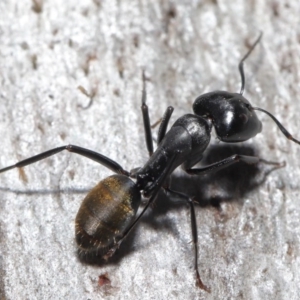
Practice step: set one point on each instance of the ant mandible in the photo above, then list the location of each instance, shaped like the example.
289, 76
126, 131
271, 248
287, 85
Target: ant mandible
107, 214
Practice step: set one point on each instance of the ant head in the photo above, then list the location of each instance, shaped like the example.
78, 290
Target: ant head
231, 114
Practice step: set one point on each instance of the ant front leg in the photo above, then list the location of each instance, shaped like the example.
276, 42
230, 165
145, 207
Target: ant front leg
224, 163
146, 119
164, 124
99, 158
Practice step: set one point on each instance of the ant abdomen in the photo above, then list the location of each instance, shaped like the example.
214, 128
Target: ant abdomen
105, 213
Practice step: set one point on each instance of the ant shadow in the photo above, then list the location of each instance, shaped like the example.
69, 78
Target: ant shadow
226, 185
230, 184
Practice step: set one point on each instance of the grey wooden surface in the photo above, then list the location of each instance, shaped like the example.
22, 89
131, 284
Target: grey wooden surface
249, 247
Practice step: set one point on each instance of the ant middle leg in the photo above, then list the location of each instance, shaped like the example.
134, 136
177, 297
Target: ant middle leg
99, 158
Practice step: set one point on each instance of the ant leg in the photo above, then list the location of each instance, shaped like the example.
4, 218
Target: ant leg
191, 161
103, 160
146, 119
161, 132
164, 124
187, 199
241, 64
156, 186
224, 163
117, 244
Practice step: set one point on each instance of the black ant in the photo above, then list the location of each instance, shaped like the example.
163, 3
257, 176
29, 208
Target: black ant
107, 214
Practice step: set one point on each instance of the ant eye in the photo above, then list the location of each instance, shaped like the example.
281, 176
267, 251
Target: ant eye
248, 106
244, 118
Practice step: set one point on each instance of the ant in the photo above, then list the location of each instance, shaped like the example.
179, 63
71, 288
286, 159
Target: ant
107, 214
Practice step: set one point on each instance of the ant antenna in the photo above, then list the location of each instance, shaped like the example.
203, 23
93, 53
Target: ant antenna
282, 129
241, 64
